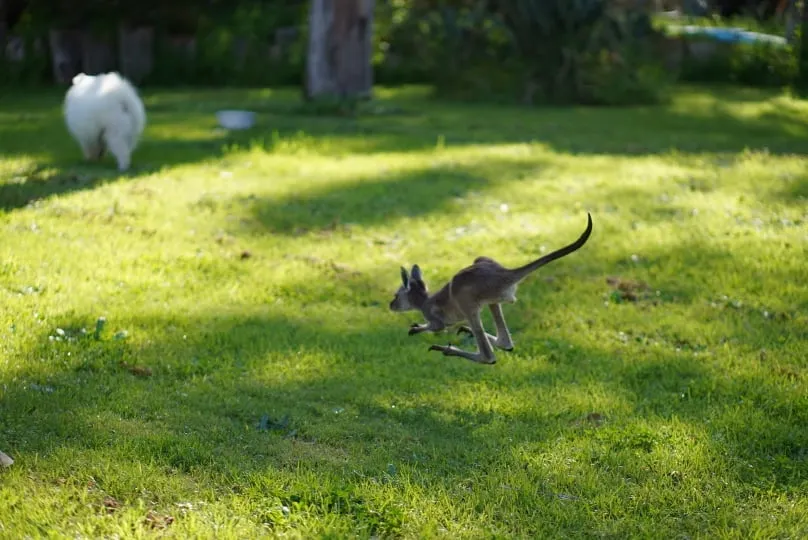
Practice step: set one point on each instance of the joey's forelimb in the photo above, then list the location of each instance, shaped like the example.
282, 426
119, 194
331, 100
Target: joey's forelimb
484, 283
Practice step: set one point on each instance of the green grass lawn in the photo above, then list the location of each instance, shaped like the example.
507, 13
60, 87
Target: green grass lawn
251, 381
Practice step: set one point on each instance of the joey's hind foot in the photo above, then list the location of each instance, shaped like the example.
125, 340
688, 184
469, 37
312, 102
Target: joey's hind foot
415, 328
451, 350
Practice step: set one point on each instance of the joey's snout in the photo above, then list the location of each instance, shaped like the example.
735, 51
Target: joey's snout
396, 304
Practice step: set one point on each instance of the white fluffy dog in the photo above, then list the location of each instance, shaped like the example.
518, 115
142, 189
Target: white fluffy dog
104, 112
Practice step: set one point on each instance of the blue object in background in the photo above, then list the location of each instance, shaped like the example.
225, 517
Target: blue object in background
731, 35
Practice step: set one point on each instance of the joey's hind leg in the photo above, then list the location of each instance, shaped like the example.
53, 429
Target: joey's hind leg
484, 354
467, 330
503, 338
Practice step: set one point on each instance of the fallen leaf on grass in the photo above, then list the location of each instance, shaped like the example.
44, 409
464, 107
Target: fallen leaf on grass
593, 418
156, 521
140, 371
788, 372
627, 289
111, 504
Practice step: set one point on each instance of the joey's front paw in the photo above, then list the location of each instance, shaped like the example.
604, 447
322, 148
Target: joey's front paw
414, 329
441, 348
465, 329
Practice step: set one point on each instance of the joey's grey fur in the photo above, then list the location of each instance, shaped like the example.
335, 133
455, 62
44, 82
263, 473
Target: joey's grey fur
484, 283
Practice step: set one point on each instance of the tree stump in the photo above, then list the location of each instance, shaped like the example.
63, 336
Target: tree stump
65, 48
15, 48
136, 51
20, 50
338, 63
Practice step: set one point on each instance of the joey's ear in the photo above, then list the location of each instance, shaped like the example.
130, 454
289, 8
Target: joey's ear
416, 273
405, 279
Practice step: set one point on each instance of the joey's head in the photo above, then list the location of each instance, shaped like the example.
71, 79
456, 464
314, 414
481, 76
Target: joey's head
412, 293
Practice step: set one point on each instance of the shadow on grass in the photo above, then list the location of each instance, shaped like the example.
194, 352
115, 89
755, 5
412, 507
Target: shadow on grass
796, 191
219, 376
390, 196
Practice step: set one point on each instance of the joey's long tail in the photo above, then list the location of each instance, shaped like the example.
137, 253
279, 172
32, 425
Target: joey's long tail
522, 272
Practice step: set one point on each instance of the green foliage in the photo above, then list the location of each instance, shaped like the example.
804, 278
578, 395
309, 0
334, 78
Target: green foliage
757, 64
400, 43
752, 64
234, 47
612, 79
763, 65
580, 51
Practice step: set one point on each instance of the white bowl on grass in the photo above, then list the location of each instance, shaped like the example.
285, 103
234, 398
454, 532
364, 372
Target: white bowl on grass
235, 119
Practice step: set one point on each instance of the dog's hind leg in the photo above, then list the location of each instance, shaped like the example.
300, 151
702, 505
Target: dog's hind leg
93, 149
118, 146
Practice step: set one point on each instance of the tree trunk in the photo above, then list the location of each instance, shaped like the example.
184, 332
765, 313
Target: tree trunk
136, 52
790, 15
65, 54
339, 54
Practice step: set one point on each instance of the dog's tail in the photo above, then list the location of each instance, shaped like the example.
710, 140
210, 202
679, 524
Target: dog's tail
133, 107
518, 274
128, 100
